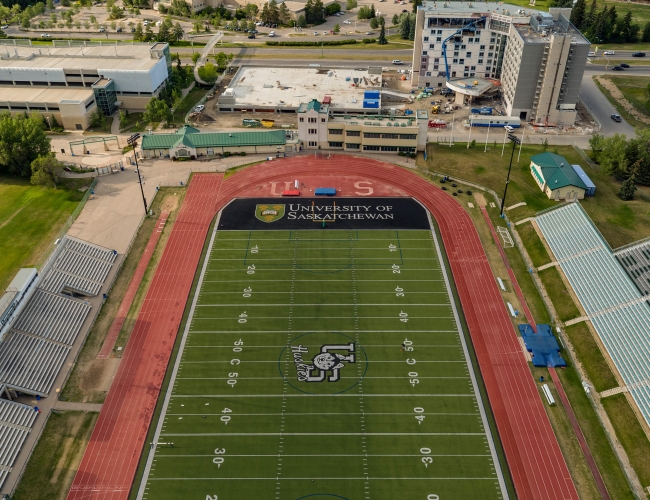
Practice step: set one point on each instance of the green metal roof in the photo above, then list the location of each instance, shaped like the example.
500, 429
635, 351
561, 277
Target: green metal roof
557, 171
192, 138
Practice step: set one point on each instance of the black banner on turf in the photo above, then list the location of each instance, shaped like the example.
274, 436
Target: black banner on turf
335, 213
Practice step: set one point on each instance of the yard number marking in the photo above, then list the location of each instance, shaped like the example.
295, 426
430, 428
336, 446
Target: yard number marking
429, 497
400, 292
231, 381
403, 317
425, 459
395, 268
219, 460
211, 497
238, 343
408, 345
419, 418
247, 292
413, 380
242, 317
255, 249
251, 269
226, 418
392, 248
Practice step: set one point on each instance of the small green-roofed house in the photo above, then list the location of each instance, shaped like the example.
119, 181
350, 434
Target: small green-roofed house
556, 177
189, 142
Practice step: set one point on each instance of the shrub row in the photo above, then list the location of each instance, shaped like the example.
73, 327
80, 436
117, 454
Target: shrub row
314, 44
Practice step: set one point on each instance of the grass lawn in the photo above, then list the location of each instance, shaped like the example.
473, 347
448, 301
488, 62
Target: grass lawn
620, 109
630, 434
534, 246
591, 357
564, 305
620, 222
352, 291
106, 129
134, 123
30, 218
188, 102
635, 90
55, 460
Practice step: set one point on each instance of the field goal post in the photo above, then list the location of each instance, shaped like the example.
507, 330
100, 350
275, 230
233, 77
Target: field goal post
92, 140
313, 215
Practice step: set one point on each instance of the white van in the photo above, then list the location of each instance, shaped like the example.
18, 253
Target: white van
397, 61
272, 34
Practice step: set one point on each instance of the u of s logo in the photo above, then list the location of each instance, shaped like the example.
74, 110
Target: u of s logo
269, 213
326, 361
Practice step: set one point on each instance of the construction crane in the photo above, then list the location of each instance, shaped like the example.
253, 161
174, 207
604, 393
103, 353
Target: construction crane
453, 35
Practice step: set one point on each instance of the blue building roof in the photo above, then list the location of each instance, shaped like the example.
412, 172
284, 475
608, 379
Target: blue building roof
585, 178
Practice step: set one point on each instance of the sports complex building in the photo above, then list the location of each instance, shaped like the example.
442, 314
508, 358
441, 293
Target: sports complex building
334, 346
71, 80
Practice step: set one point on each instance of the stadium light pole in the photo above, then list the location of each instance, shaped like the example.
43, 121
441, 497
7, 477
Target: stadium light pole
133, 142
515, 141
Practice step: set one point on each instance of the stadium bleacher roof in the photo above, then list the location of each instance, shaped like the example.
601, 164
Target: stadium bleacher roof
16, 422
619, 313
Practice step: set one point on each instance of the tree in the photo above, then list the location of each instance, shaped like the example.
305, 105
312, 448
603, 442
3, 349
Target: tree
382, 36
49, 4
562, 3
374, 23
302, 22
164, 31
93, 19
46, 170
395, 20
628, 188
251, 10
579, 13
122, 119
351, 4
116, 12
22, 140
222, 59
645, 37
373, 13
285, 15
337, 28
266, 16
156, 110
333, 8
97, 119
411, 28
177, 33
195, 57
148, 34
274, 12
416, 4
591, 14
406, 27
208, 73
138, 35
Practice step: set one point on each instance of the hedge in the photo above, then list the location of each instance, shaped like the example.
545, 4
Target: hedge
313, 44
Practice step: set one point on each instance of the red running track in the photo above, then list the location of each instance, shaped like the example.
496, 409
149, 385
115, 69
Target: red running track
536, 463
108, 466
134, 284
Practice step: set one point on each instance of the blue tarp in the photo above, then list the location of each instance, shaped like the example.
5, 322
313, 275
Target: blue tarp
325, 191
542, 345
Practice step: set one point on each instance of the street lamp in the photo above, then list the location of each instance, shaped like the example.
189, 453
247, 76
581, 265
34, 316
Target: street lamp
515, 141
133, 142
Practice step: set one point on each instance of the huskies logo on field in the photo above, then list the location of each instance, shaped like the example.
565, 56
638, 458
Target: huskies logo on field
326, 361
269, 213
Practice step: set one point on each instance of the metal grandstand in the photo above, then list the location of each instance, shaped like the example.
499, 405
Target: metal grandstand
635, 260
15, 424
619, 312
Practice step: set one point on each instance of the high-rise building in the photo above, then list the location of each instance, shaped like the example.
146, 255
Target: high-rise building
538, 58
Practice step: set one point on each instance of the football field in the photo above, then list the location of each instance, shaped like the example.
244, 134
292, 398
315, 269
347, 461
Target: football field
322, 363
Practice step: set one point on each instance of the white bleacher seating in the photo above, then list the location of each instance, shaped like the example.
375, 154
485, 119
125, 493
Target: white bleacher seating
16, 422
616, 308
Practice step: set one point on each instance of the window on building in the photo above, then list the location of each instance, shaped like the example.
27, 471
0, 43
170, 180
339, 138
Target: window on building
487, 75
480, 61
472, 74
442, 73
432, 45
489, 61
390, 136
481, 54
470, 40
453, 74
492, 40
488, 68
336, 144
461, 61
465, 75
406, 149
440, 32
322, 120
371, 135
336, 131
408, 137
370, 148
302, 120
469, 54
424, 66
426, 38
463, 47
482, 47
389, 148
428, 73
455, 61
438, 39
353, 133
312, 120
456, 54
313, 131
424, 53
436, 59
473, 68
352, 146
313, 144
435, 67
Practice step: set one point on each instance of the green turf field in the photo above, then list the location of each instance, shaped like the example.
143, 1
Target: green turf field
292, 381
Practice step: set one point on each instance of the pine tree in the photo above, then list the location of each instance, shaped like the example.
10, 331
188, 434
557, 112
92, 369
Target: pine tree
395, 20
628, 188
164, 32
412, 23
137, 34
309, 9
382, 36
645, 37
578, 13
416, 4
285, 15
406, 27
318, 11
372, 11
591, 15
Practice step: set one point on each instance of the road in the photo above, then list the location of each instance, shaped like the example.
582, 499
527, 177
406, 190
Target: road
601, 108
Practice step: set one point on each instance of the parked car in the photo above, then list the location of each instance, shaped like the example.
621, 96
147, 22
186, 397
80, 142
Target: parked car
609, 53
199, 108
259, 23
272, 34
46, 35
625, 65
252, 35
4, 26
617, 118
638, 54
617, 68
119, 30
347, 21
370, 32
326, 32
397, 62
102, 30
404, 10
315, 33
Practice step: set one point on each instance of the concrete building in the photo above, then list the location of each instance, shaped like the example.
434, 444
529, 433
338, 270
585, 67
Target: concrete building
188, 142
72, 78
378, 134
537, 57
281, 90
556, 177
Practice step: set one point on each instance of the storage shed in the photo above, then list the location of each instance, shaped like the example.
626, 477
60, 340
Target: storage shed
591, 187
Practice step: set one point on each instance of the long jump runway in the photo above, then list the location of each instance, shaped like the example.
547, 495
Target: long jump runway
534, 457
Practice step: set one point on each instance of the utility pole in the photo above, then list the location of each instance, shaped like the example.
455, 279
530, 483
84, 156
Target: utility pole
133, 142
515, 142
